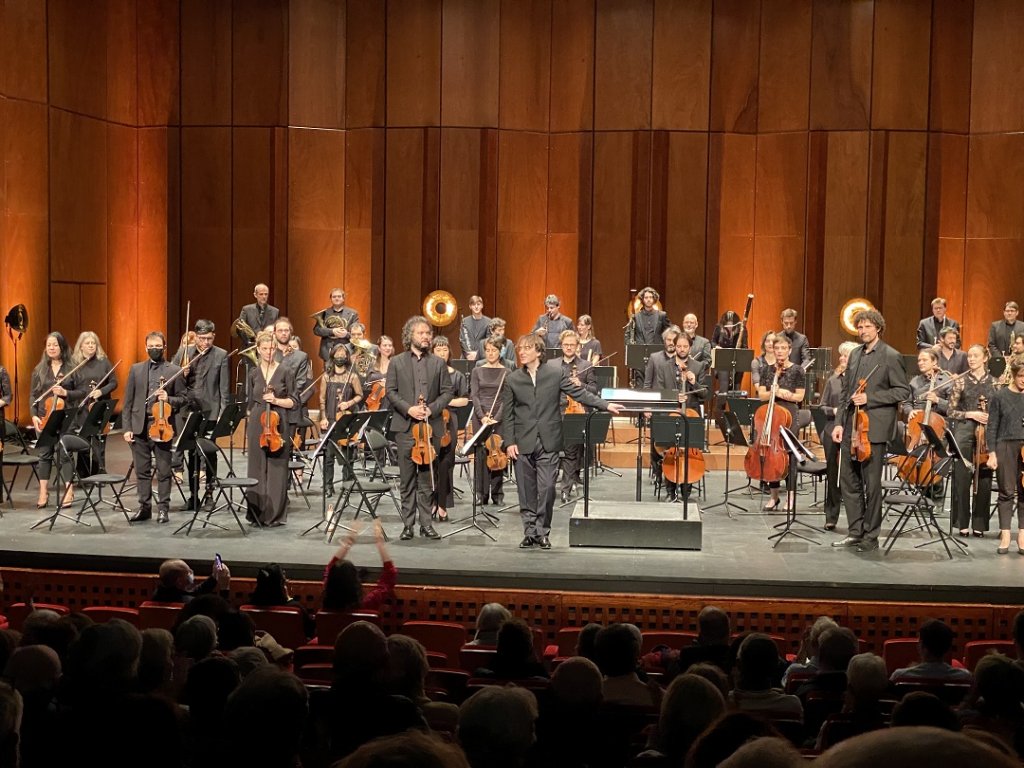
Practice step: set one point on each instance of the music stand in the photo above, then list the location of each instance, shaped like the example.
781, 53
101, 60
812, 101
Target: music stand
732, 434
462, 365
470, 445
184, 441
682, 433
552, 353
637, 355
345, 427
50, 438
797, 454
579, 429
226, 425
605, 376
731, 361
819, 369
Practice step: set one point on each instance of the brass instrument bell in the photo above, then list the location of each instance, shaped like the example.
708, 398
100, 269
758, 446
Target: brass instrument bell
849, 312
440, 308
17, 320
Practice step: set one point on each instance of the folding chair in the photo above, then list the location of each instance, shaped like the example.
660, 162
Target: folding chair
23, 458
67, 450
224, 489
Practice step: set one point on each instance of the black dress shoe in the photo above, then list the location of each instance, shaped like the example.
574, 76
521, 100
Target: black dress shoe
208, 500
526, 543
141, 515
670, 497
868, 546
544, 542
429, 532
162, 517
849, 541
190, 505
406, 533
330, 491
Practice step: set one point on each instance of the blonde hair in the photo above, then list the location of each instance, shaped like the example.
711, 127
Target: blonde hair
76, 354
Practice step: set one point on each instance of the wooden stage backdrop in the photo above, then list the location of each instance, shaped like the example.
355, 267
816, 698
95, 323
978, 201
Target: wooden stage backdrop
155, 151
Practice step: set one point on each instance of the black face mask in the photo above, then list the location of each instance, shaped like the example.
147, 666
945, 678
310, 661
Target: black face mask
340, 362
156, 355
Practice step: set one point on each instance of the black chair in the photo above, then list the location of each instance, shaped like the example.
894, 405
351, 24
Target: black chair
22, 458
224, 489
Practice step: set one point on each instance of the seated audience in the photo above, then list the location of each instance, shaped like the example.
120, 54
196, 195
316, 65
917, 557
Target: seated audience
156, 663
923, 708
867, 681
807, 653
488, 622
496, 726
248, 659
411, 749
758, 663
935, 643
766, 752
712, 644
994, 704
177, 582
9, 640
264, 720
725, 736
566, 736
49, 628
206, 691
196, 638
10, 725
919, 747
585, 641
235, 630
618, 657
343, 590
515, 657
714, 675
272, 589
690, 705
836, 647
407, 676
34, 671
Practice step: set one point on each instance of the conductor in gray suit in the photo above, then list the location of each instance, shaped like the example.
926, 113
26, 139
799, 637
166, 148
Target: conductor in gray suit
532, 431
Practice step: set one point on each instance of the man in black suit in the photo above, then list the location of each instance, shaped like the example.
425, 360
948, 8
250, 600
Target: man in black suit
668, 338
289, 355
581, 374
886, 388
332, 324
258, 315
207, 392
532, 431
1002, 331
144, 379
418, 387
800, 348
929, 330
550, 325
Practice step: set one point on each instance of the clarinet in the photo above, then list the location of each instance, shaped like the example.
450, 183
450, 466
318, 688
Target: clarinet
464, 336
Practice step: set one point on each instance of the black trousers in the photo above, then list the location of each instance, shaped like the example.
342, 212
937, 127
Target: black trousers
445, 479
963, 479
833, 494
143, 451
862, 491
535, 475
1008, 478
415, 484
332, 456
572, 455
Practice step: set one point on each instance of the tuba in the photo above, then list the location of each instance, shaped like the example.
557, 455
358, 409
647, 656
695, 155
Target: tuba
440, 308
250, 354
243, 330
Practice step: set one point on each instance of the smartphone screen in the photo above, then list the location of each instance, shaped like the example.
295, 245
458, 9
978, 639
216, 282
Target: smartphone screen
217, 562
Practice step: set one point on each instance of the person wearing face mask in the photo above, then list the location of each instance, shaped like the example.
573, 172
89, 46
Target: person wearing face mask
207, 391
178, 583
340, 393
151, 377
94, 370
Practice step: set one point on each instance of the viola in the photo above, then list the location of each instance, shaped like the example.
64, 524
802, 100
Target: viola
376, 396
161, 430
446, 436
53, 403
423, 452
270, 427
766, 458
980, 443
860, 444
497, 459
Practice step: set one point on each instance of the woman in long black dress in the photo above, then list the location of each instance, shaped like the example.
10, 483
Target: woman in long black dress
271, 388
788, 395
446, 456
55, 362
831, 399
1005, 436
484, 382
340, 393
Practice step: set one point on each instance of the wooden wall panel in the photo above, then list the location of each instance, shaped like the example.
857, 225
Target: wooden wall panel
997, 103
522, 227
404, 225
23, 65
206, 62
121, 62
65, 312
122, 241
414, 64
252, 221
994, 195
784, 73
900, 70
680, 88
460, 213
569, 218
841, 64
259, 63
316, 63
77, 39
734, 65
366, 30
94, 304
78, 198
159, 62
137, 308
995, 277
946, 219
572, 65
469, 62
525, 65
364, 225
686, 217
624, 61
950, 90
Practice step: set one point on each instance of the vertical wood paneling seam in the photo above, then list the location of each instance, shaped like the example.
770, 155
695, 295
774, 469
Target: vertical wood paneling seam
710, 286
49, 184
547, 139
930, 262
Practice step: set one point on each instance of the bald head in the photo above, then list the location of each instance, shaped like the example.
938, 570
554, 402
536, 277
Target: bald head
919, 747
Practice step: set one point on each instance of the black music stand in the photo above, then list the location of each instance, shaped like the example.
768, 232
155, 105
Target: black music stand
50, 438
731, 361
96, 421
819, 370
468, 447
797, 454
462, 365
637, 355
552, 353
226, 425
682, 433
732, 434
461, 414
997, 366
347, 426
185, 440
604, 376
579, 429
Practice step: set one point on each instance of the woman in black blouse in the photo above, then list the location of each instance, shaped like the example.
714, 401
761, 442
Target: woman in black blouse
1005, 436
789, 393
831, 396
485, 383
590, 348
97, 366
445, 496
55, 361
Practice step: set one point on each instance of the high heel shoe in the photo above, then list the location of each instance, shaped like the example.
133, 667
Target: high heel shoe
43, 504
1001, 550
772, 507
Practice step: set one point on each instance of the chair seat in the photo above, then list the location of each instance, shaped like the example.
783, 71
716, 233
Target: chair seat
907, 499
369, 486
296, 465
238, 482
102, 479
20, 459
812, 468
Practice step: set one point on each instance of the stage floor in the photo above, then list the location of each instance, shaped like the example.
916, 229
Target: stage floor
736, 558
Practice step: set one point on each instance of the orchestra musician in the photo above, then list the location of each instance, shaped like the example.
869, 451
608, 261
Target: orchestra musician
6, 393
580, 373
484, 382
649, 324
951, 358
258, 315
288, 352
1002, 332
590, 348
765, 360
550, 325
963, 407
532, 432
95, 367
55, 362
364, 353
789, 393
1016, 356
883, 390
683, 373
340, 393
831, 395
700, 348
473, 330
929, 329
928, 365
1005, 436
332, 324
379, 369
207, 392
445, 494
272, 390
414, 375
668, 339
729, 333
800, 348
496, 330
147, 382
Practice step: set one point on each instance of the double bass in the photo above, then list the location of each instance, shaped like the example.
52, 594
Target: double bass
766, 458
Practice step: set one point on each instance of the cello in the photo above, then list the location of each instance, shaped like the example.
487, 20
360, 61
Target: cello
766, 458
920, 470
690, 468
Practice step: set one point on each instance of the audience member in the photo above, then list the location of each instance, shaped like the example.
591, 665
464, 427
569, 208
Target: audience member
515, 657
34, 671
488, 622
713, 674
836, 647
866, 683
758, 663
102, 662
618, 656
585, 641
156, 663
994, 704
566, 732
807, 653
214, 606
272, 590
343, 590
248, 659
45, 627
276, 653
724, 737
766, 752
690, 705
177, 582
920, 747
712, 644
209, 684
924, 708
935, 643
9, 640
196, 638
496, 726
265, 717
411, 749
407, 676
10, 725
235, 630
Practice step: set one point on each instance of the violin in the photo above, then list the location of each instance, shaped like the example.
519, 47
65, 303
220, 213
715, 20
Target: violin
860, 444
766, 458
572, 405
270, 427
423, 452
55, 402
376, 396
161, 430
497, 460
446, 436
